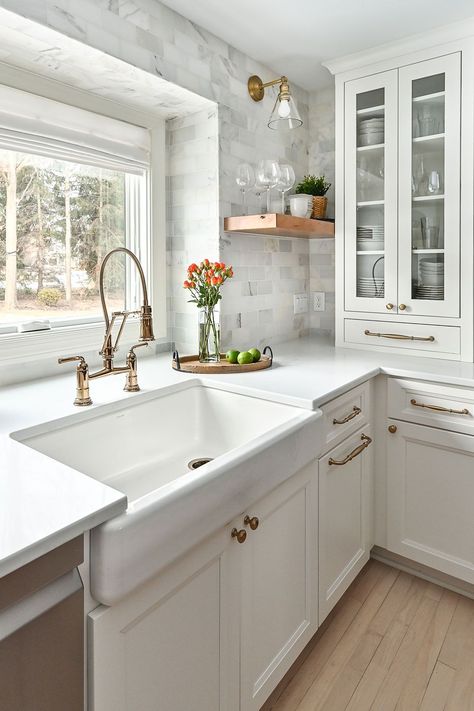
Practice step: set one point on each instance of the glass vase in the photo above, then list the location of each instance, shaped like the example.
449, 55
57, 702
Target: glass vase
209, 335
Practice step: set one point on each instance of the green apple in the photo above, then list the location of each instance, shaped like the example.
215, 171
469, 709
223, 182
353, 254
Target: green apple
244, 358
231, 356
255, 353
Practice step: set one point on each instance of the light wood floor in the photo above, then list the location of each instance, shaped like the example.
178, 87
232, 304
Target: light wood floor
393, 642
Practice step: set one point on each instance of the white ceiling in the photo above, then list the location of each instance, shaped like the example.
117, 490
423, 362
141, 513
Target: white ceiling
293, 38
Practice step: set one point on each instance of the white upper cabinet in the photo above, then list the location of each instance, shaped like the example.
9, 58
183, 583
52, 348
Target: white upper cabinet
371, 193
404, 200
429, 187
402, 190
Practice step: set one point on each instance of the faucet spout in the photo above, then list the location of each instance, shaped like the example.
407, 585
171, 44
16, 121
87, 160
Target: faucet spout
145, 314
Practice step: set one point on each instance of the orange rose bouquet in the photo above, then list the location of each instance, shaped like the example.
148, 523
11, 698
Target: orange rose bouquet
204, 282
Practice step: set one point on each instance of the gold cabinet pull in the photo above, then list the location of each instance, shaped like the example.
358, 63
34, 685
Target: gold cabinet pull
253, 522
241, 535
366, 440
389, 306
355, 411
440, 408
399, 336
392, 429
402, 307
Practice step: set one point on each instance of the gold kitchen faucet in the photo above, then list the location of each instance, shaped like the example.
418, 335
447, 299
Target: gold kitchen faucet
109, 348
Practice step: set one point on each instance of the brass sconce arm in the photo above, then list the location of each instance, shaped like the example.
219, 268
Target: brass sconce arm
257, 87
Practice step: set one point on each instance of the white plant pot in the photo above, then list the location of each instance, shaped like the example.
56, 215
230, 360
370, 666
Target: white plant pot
301, 205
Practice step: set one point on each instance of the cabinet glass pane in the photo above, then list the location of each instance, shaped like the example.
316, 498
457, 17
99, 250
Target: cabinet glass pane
370, 192
428, 172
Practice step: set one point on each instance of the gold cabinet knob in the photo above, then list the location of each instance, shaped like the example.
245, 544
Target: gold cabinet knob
392, 429
402, 307
252, 522
389, 306
241, 535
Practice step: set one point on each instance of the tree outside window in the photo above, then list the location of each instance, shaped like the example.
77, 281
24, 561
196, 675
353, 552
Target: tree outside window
57, 221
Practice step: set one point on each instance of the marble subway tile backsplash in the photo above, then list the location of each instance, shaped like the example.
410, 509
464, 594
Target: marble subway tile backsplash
323, 278
321, 161
258, 306
192, 213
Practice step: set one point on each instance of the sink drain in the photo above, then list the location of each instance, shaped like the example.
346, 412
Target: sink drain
199, 462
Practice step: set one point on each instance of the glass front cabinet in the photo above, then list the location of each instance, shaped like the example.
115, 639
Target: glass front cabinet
400, 248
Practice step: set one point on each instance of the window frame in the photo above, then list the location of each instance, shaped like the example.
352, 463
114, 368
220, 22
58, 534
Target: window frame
78, 338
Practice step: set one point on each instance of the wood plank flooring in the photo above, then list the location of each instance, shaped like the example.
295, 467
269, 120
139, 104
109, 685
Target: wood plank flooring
394, 642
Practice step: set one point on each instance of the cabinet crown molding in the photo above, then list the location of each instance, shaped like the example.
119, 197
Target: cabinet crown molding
455, 31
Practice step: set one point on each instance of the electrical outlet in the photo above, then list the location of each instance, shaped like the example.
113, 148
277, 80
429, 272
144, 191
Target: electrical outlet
300, 303
319, 301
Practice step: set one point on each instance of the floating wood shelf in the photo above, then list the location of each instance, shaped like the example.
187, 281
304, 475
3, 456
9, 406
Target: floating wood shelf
280, 226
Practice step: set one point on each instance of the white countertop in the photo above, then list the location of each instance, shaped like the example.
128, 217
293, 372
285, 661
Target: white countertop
44, 503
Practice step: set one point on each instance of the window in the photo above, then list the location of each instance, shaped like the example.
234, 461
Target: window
73, 185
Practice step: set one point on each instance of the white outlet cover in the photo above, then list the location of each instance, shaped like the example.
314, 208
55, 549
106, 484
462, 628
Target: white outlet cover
300, 303
319, 301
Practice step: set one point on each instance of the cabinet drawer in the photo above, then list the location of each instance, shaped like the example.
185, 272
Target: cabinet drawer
344, 415
404, 336
443, 406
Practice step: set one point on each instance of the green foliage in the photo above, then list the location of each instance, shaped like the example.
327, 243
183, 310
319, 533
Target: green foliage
49, 297
97, 219
312, 185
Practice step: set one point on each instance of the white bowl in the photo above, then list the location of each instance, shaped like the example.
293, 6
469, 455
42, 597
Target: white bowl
433, 279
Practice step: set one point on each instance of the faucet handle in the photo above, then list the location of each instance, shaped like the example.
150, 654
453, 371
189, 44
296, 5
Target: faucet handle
71, 359
82, 379
131, 382
137, 345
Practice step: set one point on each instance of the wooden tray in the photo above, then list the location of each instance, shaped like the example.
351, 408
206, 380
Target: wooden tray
191, 364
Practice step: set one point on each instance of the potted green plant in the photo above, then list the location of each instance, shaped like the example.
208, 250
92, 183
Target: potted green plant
317, 186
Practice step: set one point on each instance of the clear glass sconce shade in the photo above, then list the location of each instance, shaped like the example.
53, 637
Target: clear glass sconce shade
285, 115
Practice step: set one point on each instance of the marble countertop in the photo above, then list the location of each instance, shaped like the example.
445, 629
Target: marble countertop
44, 503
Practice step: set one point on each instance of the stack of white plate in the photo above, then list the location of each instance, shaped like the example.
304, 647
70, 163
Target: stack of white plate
371, 131
370, 287
370, 231
432, 280
370, 237
431, 272
366, 245
429, 292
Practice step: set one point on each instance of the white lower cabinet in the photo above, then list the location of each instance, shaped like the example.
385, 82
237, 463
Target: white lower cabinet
279, 592
218, 629
345, 516
163, 647
430, 494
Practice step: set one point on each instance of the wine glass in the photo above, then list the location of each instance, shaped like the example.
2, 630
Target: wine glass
285, 183
268, 175
245, 179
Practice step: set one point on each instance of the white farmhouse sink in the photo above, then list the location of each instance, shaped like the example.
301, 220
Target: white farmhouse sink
142, 446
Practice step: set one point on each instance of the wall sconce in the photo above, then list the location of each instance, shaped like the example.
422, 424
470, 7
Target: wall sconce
285, 114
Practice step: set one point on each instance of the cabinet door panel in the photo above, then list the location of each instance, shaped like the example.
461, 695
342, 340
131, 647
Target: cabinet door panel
430, 490
345, 520
163, 648
429, 187
370, 189
279, 592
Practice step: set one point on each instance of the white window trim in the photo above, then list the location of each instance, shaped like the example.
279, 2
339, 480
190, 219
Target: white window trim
19, 348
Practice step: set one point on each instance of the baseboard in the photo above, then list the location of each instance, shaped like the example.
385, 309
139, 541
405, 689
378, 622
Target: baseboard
422, 571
